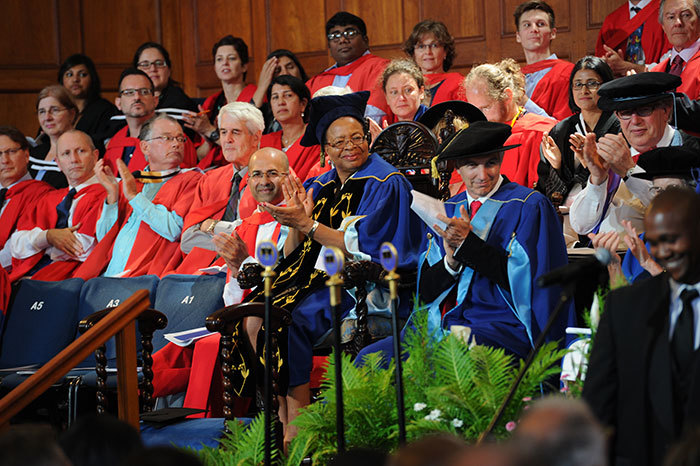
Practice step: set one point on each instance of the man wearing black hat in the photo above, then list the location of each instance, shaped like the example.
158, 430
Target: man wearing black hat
479, 269
361, 203
644, 370
643, 103
665, 167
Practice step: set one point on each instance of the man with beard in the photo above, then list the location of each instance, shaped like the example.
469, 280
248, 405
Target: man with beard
137, 101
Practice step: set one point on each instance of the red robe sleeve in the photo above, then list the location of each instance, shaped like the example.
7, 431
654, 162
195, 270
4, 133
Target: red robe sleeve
520, 163
552, 91
451, 87
20, 198
89, 201
690, 76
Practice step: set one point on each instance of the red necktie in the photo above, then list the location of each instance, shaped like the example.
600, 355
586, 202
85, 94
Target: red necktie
676, 66
474, 207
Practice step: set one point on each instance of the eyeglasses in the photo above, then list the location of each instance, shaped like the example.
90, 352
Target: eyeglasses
53, 111
147, 64
271, 175
356, 140
180, 139
10, 152
432, 46
639, 111
348, 34
591, 85
143, 92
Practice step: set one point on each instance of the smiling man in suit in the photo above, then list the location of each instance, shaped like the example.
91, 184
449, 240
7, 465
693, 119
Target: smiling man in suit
644, 374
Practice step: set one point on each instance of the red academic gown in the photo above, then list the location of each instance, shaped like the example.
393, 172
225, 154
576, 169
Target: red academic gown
365, 74
214, 157
151, 254
618, 26
210, 200
121, 140
20, 197
520, 163
690, 75
450, 89
87, 210
552, 91
301, 159
195, 369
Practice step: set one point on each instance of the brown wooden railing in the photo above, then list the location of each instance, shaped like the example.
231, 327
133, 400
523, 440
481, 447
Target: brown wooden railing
120, 322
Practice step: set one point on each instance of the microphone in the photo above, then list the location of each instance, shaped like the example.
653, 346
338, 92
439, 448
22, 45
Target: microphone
571, 272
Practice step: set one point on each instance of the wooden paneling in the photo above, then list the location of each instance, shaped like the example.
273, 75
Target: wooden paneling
29, 36
42, 33
310, 19
117, 28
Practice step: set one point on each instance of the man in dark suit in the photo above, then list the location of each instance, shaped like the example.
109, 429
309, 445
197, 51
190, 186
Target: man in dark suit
643, 379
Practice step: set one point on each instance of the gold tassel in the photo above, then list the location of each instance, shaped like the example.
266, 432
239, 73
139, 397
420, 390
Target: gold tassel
323, 157
433, 168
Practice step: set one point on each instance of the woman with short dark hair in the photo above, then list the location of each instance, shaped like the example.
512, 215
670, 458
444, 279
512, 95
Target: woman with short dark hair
432, 47
79, 76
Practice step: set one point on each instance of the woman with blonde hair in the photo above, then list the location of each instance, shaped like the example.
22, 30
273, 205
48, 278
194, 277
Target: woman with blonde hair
498, 90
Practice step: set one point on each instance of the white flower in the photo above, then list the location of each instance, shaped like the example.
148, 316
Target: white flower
457, 423
419, 406
434, 415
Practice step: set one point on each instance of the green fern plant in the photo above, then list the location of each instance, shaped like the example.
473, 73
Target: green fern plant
449, 387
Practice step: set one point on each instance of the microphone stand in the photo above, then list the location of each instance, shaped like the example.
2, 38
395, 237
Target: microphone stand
267, 253
334, 261
565, 295
389, 259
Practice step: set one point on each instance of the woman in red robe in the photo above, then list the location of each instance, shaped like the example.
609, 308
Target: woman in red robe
432, 47
289, 98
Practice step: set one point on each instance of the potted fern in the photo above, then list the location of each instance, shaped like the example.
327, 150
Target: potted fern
449, 387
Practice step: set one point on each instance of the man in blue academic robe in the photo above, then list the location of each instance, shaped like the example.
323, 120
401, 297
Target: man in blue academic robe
479, 271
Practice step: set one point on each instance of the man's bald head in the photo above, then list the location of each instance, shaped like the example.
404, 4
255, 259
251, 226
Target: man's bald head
672, 229
267, 168
76, 156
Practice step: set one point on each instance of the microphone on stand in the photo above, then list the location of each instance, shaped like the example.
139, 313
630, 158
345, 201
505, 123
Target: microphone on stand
573, 271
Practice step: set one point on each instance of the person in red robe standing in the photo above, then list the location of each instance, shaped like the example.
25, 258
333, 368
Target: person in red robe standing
221, 196
140, 223
355, 67
631, 37
18, 191
498, 90
137, 101
58, 234
680, 20
546, 76
432, 47
289, 98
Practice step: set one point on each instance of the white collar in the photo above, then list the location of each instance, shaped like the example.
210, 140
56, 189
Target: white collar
665, 140
92, 180
491, 193
687, 53
641, 5
677, 288
26, 177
